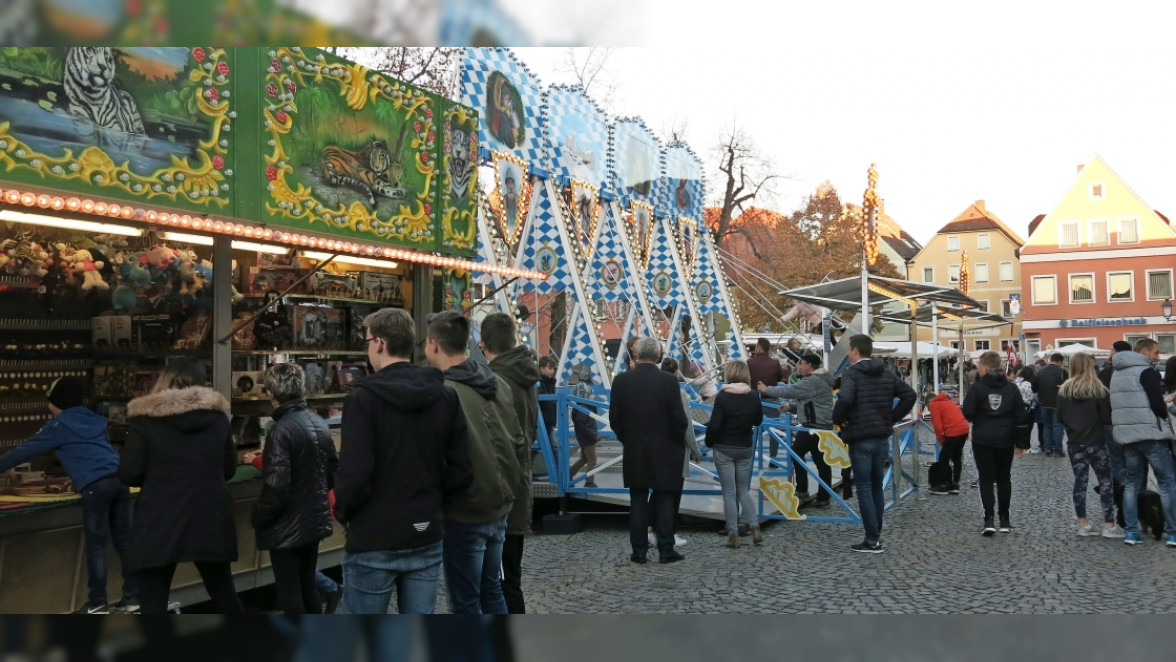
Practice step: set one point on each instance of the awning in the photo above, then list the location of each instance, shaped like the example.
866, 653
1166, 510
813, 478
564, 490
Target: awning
902, 349
846, 294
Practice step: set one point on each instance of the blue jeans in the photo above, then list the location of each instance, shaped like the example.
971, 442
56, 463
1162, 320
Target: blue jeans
106, 515
734, 468
1159, 455
1054, 431
370, 577
473, 566
324, 584
868, 458
388, 638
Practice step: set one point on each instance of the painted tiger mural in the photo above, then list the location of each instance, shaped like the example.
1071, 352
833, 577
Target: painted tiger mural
460, 168
92, 93
365, 170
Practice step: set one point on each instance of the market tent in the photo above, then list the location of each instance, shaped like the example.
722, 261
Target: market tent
902, 350
1075, 348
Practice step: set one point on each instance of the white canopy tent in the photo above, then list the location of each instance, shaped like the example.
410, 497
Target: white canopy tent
1072, 349
925, 350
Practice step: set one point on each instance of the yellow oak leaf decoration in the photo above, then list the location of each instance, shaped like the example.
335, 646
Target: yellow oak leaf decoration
781, 494
835, 451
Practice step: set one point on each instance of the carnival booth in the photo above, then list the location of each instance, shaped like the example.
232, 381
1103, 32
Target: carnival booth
244, 206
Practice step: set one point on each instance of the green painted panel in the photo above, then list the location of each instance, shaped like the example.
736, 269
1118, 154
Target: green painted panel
458, 190
151, 125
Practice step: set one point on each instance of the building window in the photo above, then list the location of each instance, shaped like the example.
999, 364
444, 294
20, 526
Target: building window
1128, 230
1032, 347
955, 345
1068, 234
1082, 288
1006, 309
953, 273
1089, 342
1098, 233
1159, 284
1119, 286
1006, 272
1045, 290
981, 272
982, 242
1167, 343
1096, 191
928, 274
1133, 338
953, 243
982, 345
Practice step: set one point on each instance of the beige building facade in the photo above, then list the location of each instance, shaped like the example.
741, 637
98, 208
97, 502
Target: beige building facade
993, 253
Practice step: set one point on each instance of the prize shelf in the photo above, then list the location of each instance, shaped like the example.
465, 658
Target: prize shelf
319, 297
299, 352
32, 365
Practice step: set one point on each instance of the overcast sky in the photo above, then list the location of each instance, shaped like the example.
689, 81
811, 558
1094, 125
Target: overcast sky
997, 101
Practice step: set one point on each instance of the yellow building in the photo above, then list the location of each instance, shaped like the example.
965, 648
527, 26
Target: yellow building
995, 275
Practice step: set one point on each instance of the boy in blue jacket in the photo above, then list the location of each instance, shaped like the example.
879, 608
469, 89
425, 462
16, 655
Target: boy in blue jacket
78, 437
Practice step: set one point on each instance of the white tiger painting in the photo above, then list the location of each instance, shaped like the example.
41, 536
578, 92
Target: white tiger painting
89, 82
460, 168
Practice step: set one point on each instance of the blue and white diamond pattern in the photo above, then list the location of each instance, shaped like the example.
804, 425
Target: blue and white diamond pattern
464, 20
662, 263
544, 241
682, 188
577, 137
477, 67
636, 158
580, 349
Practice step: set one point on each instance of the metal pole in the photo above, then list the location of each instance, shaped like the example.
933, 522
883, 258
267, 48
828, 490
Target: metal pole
935, 337
865, 295
961, 362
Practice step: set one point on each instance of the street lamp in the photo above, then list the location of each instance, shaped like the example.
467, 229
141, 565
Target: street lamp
1166, 307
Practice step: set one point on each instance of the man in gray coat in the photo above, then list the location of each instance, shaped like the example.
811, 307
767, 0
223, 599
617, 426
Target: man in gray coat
646, 413
814, 404
1141, 425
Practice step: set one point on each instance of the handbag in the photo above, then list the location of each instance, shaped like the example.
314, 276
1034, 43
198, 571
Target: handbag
272, 328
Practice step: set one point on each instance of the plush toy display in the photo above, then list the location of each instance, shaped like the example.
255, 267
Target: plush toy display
90, 276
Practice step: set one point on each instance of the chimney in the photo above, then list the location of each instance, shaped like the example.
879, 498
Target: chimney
1080, 166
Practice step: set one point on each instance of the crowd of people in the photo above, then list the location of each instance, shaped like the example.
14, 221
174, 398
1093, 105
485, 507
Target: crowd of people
1116, 422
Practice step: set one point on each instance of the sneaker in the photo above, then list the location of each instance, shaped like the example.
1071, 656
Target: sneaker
940, 490
1034, 450
1131, 538
975, 484
125, 606
954, 489
679, 541
1005, 527
1113, 532
89, 608
989, 528
819, 504
1171, 541
867, 548
1088, 530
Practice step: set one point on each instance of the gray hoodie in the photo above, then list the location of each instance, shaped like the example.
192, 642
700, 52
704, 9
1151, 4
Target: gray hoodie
814, 398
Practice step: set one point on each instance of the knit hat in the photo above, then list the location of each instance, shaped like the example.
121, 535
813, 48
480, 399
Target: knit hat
67, 392
812, 359
1121, 346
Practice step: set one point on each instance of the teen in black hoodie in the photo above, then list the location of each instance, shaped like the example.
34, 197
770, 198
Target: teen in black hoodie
995, 409
405, 453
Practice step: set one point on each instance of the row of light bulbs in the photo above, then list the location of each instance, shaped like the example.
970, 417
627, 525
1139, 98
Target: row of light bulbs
204, 224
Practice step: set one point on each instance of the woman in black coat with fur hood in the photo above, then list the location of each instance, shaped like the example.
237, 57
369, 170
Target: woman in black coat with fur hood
180, 452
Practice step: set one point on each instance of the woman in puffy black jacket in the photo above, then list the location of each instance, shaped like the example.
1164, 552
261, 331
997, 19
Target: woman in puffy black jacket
293, 513
737, 413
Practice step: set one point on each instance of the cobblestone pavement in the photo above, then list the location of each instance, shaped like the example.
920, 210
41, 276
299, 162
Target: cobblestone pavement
936, 561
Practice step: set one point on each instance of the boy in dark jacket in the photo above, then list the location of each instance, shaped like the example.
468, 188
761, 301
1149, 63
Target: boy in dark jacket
995, 409
866, 412
78, 437
404, 453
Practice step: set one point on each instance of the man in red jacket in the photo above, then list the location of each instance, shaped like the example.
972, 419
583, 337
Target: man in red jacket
951, 429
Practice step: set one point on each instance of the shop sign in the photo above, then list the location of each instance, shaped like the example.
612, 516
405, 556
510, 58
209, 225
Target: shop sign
1119, 321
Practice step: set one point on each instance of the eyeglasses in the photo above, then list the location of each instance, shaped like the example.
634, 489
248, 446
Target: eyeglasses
368, 340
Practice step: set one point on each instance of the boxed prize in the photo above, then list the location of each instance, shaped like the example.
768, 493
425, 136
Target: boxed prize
318, 327
280, 279
120, 332
248, 384
100, 333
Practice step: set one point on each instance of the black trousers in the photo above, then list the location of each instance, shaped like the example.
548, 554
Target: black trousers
658, 508
512, 573
953, 451
155, 584
294, 579
995, 466
805, 443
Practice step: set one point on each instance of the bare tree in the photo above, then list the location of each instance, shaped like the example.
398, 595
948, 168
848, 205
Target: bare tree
745, 175
433, 69
589, 68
